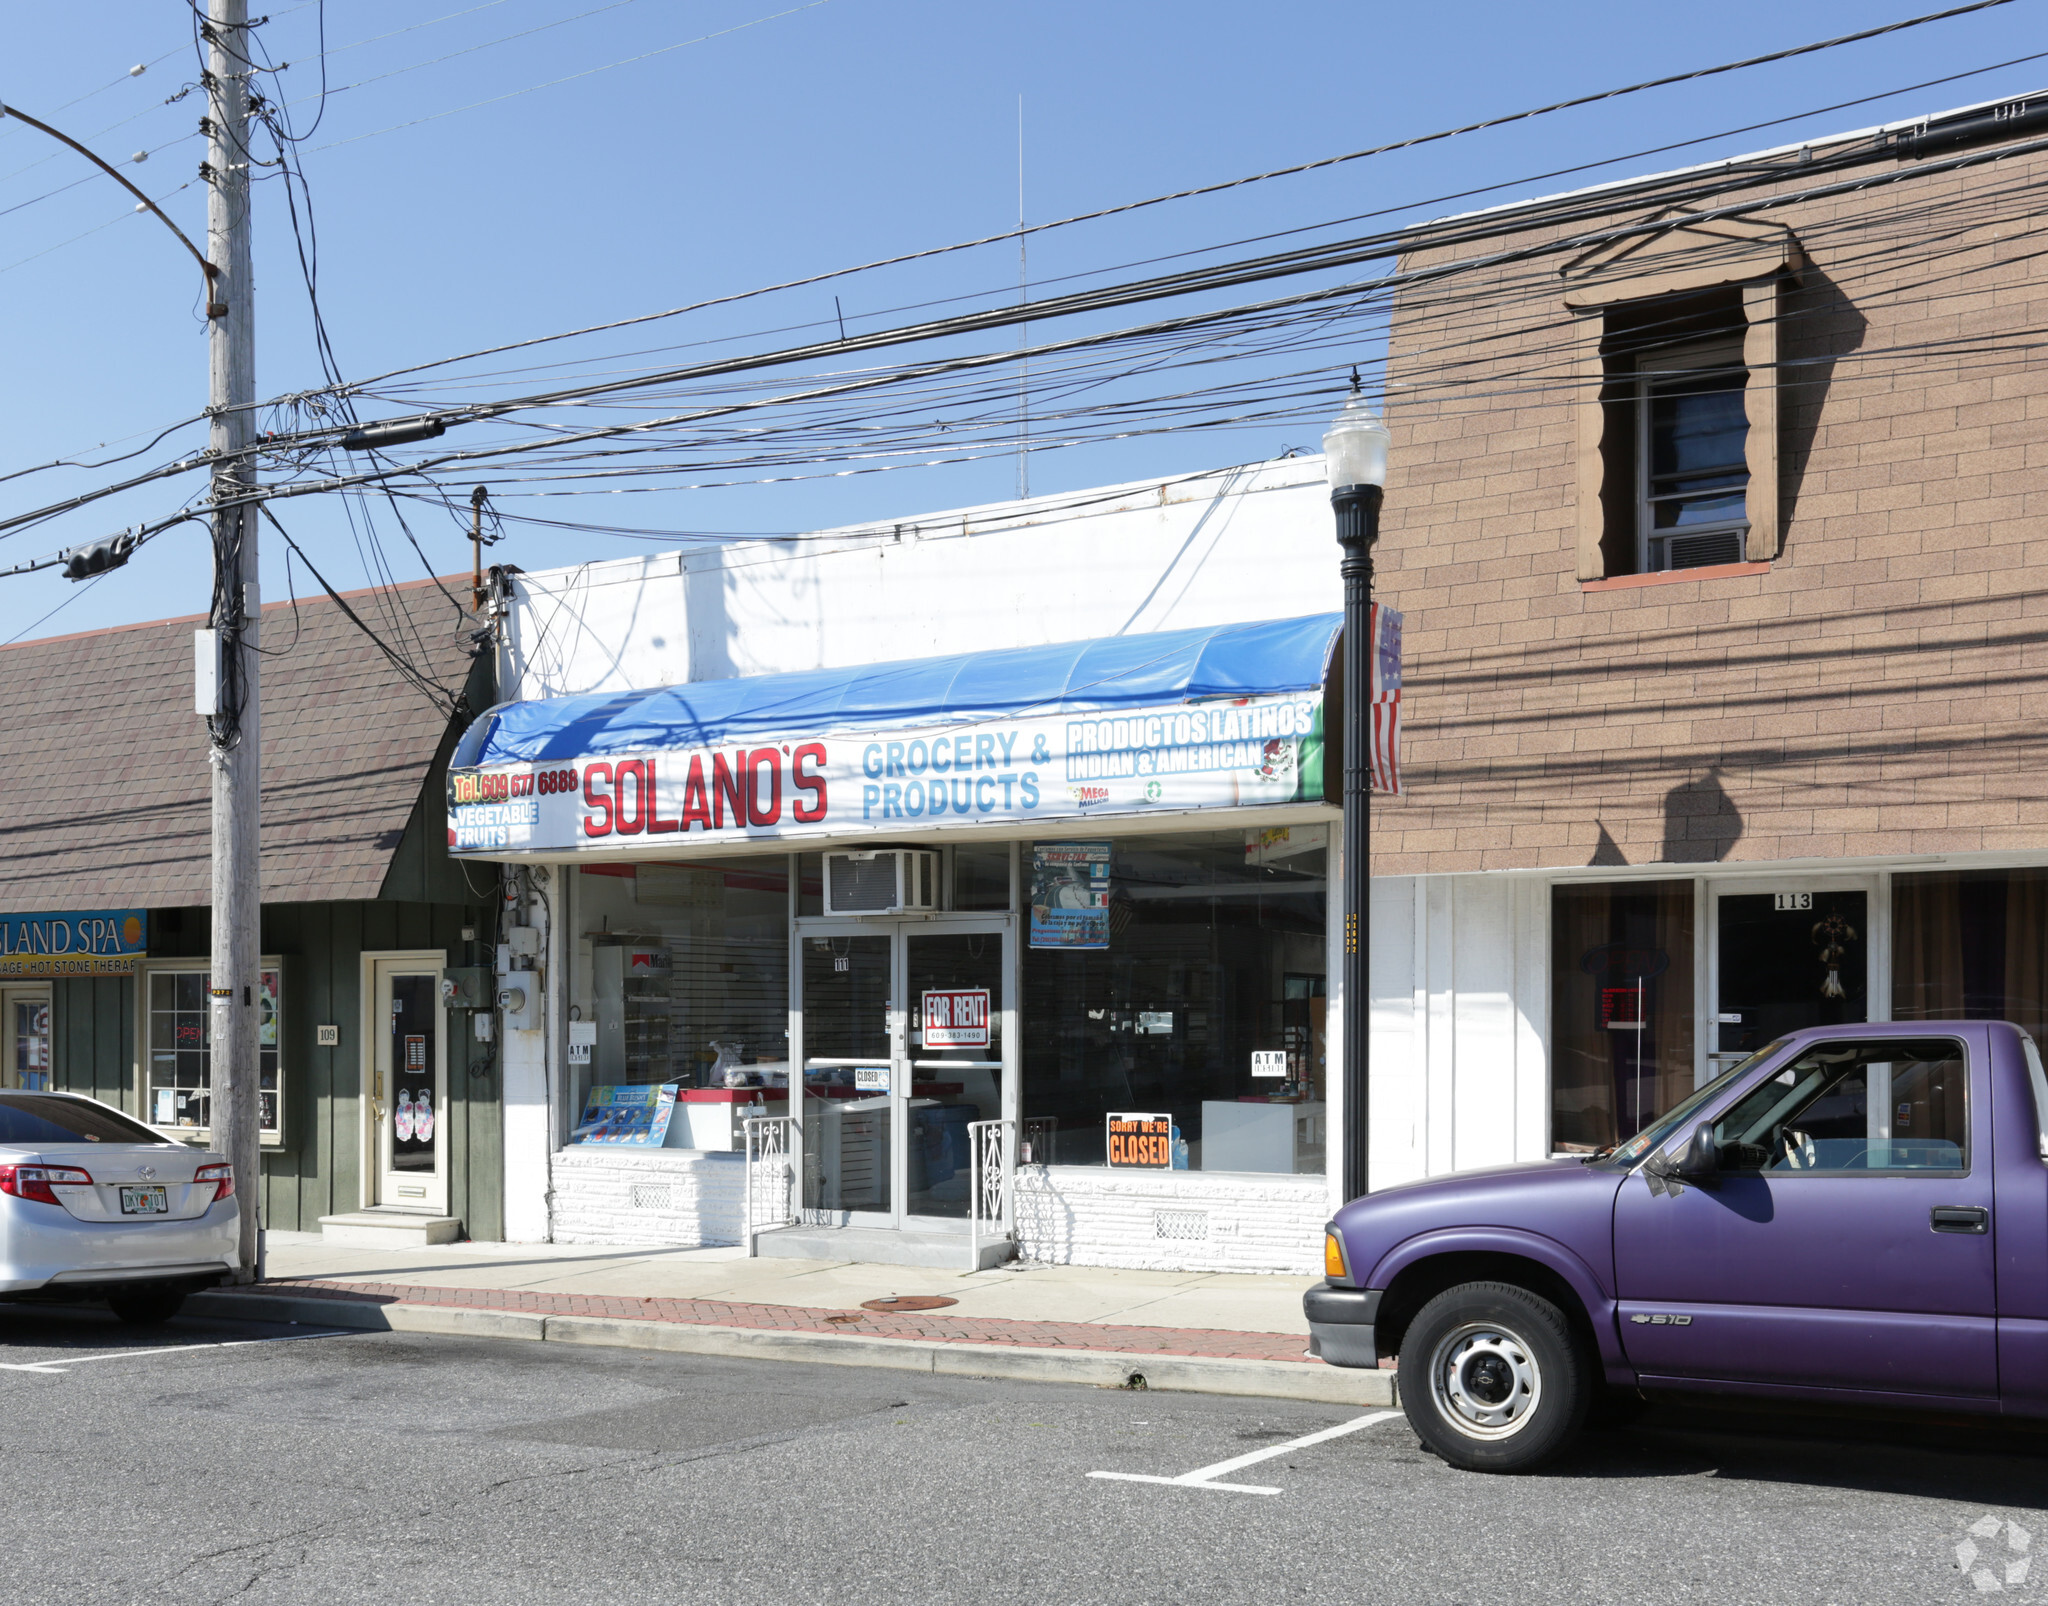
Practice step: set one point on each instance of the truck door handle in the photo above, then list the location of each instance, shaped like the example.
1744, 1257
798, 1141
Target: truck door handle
1961, 1218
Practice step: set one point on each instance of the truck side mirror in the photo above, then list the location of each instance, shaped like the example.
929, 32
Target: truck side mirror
1702, 1158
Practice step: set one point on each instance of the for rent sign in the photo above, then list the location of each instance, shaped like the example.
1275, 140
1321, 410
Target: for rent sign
956, 1018
1239, 752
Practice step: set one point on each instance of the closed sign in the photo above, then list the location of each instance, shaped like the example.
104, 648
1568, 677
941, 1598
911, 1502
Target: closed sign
956, 1018
1143, 1141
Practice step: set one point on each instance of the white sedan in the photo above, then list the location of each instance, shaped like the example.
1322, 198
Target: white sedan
94, 1205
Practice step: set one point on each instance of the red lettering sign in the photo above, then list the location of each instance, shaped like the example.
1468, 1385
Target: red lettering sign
599, 824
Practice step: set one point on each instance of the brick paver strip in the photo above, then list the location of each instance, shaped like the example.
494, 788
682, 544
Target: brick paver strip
923, 1326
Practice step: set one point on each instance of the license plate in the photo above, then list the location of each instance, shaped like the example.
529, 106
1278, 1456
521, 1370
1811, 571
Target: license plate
144, 1202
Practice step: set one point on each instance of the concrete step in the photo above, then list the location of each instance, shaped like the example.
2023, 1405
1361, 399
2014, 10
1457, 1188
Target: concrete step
389, 1229
884, 1246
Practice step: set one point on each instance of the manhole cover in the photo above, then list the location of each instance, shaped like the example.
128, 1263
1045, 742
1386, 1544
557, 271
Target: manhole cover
904, 1302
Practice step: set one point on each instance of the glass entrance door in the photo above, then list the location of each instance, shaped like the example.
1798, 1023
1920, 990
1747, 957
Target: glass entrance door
1786, 956
851, 1061
954, 992
409, 1089
905, 1032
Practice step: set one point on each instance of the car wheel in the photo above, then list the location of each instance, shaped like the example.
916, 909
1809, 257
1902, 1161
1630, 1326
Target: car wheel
1492, 1379
144, 1307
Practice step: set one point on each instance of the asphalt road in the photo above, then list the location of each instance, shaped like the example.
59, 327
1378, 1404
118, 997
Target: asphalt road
419, 1470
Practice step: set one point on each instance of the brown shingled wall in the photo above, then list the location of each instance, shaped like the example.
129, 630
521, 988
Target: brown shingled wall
103, 775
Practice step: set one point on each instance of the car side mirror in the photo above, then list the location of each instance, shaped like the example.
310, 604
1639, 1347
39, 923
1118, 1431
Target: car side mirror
1702, 1158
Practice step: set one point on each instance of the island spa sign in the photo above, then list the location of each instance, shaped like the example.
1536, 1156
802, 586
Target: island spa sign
78, 942
1245, 753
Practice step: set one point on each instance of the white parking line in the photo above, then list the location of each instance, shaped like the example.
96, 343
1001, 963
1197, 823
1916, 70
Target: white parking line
1205, 1477
57, 1368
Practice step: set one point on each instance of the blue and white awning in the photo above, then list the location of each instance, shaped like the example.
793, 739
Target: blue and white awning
1226, 716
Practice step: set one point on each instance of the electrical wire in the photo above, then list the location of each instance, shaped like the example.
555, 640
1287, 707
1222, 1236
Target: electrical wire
1211, 189
649, 55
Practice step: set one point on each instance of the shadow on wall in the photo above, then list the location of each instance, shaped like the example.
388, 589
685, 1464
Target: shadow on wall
1820, 326
1701, 821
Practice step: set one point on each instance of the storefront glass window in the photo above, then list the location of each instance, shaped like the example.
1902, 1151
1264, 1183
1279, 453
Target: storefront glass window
179, 1092
981, 876
1177, 984
1621, 1014
1971, 945
683, 969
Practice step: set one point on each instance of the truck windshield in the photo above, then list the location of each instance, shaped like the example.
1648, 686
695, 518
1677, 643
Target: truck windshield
1658, 1130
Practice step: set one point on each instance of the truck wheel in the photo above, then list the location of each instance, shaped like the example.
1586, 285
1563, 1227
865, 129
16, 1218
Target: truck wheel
1492, 1379
145, 1307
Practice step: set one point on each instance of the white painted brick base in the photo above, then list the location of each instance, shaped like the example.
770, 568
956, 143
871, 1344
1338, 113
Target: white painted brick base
667, 1197
1069, 1216
1180, 1221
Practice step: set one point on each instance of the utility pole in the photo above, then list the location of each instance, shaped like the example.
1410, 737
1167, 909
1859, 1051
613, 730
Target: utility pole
235, 731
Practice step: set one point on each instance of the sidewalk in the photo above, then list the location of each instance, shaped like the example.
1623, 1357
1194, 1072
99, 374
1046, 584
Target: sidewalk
1210, 1332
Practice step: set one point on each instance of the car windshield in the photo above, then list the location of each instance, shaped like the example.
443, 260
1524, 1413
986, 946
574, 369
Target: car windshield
53, 1118
1658, 1130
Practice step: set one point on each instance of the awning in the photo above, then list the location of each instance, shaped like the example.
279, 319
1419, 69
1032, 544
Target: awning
1229, 716
1111, 672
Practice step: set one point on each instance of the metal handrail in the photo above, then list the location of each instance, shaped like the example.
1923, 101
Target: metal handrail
768, 1160
989, 1147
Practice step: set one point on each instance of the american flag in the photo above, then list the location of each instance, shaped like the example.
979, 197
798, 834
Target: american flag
1384, 769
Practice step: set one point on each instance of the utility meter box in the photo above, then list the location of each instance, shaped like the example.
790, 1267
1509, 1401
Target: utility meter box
466, 987
519, 1002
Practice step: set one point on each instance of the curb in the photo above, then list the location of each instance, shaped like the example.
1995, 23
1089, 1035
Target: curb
1188, 1374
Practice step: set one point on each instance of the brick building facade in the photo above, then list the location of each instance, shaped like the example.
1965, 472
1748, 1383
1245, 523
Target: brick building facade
1713, 514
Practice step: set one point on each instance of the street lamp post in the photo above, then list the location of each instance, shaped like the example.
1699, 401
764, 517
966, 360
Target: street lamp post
1355, 452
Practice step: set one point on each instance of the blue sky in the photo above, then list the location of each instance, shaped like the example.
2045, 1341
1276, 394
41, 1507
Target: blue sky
843, 131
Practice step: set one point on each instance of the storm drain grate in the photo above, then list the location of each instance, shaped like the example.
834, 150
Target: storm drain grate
1180, 1223
652, 1196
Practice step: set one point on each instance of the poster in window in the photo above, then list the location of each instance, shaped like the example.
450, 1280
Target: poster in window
1141, 1141
1070, 895
266, 1009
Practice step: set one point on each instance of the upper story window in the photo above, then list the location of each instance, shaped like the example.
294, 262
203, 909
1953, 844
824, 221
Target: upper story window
1691, 449
1678, 395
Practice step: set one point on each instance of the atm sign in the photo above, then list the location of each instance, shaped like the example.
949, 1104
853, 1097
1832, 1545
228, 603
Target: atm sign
956, 1018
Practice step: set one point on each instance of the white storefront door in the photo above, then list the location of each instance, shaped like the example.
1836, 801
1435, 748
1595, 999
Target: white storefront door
409, 1084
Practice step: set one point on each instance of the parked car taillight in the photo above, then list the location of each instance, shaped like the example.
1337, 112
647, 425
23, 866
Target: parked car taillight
36, 1181
223, 1175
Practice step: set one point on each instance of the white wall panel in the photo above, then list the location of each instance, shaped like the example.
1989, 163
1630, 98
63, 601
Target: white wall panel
1242, 545
1532, 1019
1480, 986
1400, 1034
1460, 1024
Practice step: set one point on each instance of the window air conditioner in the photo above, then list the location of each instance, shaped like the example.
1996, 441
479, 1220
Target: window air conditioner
1696, 551
885, 881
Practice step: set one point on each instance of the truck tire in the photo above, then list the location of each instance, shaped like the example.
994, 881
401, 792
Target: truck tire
1492, 1379
148, 1305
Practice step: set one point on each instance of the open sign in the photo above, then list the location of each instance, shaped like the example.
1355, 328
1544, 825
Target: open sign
956, 1018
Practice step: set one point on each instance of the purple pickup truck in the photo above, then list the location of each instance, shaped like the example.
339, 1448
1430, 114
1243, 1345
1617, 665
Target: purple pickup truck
1856, 1214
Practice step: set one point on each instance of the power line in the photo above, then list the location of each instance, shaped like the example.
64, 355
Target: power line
649, 55
1205, 189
